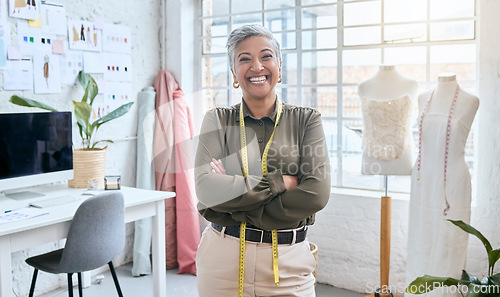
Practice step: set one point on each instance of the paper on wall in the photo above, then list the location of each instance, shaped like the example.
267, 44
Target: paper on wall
82, 35
14, 52
58, 47
116, 39
4, 42
93, 62
18, 75
46, 73
54, 18
33, 40
99, 108
24, 9
117, 67
101, 85
27, 38
117, 94
98, 22
36, 23
71, 64
114, 95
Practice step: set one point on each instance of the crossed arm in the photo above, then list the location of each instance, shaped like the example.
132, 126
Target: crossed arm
290, 181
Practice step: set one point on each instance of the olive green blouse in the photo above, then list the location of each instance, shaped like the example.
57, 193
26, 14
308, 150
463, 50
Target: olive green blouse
298, 148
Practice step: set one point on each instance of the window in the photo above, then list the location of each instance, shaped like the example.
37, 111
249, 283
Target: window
329, 47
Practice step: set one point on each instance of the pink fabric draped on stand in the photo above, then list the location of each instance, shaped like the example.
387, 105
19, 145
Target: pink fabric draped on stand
174, 171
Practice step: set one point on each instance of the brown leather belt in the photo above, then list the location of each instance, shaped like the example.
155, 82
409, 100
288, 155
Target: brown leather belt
257, 235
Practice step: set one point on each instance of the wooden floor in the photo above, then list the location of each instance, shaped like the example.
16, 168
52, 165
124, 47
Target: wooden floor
178, 285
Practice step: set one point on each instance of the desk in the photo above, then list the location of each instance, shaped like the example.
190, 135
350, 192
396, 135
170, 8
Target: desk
28, 233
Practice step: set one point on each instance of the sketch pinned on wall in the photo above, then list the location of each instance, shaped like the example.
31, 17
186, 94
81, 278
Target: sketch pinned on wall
24, 9
46, 73
18, 75
54, 18
116, 39
82, 35
117, 67
71, 64
4, 42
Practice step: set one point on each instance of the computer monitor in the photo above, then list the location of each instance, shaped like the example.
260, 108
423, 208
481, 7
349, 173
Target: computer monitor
35, 149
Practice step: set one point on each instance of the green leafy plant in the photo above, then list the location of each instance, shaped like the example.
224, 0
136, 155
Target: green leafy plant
82, 111
489, 286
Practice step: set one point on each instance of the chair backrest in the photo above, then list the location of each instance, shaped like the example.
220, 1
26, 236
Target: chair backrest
96, 234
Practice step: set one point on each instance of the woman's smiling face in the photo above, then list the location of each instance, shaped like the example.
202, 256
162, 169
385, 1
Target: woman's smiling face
256, 67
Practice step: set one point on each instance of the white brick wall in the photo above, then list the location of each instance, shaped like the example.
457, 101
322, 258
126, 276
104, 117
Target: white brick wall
145, 20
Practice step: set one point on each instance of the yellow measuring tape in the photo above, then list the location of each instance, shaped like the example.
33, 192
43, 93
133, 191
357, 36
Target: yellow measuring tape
244, 159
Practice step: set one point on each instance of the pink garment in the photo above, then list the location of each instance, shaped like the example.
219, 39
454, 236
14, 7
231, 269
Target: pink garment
174, 171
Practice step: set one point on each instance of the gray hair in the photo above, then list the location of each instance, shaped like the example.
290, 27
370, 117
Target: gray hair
242, 33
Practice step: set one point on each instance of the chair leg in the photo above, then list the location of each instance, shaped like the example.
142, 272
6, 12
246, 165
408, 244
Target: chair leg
33, 281
115, 279
80, 289
70, 284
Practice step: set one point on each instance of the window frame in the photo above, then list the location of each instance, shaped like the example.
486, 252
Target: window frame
340, 49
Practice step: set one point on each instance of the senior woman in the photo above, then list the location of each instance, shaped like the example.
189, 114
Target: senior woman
262, 172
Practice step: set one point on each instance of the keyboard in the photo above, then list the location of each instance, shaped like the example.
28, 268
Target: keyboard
58, 200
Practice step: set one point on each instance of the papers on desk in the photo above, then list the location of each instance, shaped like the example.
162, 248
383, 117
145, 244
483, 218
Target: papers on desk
21, 214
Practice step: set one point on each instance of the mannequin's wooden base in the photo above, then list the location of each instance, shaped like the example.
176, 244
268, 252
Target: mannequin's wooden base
385, 247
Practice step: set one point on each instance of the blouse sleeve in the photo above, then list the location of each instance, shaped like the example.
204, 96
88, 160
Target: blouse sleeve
228, 193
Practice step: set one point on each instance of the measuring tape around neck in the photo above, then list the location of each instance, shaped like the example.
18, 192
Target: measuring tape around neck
244, 159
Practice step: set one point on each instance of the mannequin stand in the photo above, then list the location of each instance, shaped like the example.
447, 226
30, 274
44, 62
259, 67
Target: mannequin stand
385, 244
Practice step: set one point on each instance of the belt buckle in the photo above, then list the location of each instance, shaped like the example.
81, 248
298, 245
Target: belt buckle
261, 233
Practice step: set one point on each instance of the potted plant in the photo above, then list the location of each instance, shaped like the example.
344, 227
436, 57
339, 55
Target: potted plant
89, 160
489, 286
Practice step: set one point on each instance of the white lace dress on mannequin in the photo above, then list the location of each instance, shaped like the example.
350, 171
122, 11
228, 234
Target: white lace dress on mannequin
435, 246
386, 127
387, 105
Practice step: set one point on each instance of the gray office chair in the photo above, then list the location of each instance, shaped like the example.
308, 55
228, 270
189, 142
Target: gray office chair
95, 237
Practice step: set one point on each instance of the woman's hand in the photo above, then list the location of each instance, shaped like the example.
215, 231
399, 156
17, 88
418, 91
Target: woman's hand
290, 181
217, 166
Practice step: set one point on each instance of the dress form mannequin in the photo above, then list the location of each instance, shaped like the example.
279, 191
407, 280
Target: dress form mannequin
440, 184
387, 100
447, 83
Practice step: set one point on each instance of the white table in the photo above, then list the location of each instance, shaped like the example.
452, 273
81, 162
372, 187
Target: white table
32, 232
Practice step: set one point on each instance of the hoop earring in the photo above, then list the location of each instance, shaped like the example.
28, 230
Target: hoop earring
279, 80
236, 85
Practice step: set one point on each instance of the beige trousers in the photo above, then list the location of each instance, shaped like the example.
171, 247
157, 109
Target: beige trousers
217, 262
